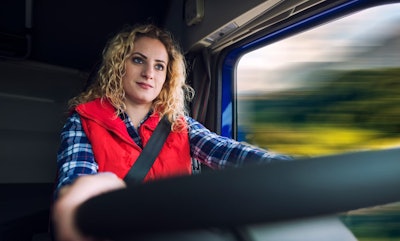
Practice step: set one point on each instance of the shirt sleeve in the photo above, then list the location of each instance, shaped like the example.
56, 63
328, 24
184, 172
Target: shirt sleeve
219, 152
75, 155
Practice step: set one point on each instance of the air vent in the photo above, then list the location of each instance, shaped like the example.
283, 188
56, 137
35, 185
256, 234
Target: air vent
221, 33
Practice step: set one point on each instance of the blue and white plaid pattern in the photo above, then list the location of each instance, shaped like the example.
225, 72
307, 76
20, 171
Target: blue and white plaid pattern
220, 152
75, 156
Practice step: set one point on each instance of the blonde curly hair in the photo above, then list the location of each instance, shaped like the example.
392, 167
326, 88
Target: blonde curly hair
108, 81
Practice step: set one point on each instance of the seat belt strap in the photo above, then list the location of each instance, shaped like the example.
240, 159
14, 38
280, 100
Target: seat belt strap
145, 161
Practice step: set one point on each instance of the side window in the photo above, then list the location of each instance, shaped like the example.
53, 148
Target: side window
329, 90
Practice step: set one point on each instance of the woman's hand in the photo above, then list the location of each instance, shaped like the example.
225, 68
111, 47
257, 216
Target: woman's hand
70, 197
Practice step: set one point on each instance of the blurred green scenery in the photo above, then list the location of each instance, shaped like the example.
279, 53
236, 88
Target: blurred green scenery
355, 110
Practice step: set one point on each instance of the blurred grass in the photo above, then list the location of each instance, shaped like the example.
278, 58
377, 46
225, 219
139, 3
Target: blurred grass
348, 110
314, 140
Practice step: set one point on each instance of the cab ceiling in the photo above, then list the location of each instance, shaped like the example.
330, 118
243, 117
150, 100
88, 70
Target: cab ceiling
69, 33
72, 33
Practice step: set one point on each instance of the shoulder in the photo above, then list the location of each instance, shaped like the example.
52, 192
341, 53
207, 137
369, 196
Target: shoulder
193, 124
73, 119
72, 124
96, 105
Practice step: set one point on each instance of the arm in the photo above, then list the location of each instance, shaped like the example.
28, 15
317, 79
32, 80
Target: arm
75, 156
75, 194
76, 182
219, 152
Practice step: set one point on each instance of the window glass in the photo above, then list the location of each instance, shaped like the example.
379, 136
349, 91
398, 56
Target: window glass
329, 90
332, 89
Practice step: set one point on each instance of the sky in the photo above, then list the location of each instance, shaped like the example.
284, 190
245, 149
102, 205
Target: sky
326, 43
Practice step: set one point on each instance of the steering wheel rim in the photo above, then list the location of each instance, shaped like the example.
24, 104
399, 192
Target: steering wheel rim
252, 194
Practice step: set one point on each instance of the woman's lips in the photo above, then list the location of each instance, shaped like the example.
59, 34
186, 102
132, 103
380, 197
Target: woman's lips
144, 85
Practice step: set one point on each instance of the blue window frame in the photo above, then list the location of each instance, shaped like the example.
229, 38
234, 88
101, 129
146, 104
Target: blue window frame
229, 64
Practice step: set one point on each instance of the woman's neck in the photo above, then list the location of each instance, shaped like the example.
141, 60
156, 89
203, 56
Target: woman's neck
137, 113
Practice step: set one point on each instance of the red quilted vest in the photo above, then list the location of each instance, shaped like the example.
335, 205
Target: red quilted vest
115, 151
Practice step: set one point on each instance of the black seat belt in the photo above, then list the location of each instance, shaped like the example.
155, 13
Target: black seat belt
149, 153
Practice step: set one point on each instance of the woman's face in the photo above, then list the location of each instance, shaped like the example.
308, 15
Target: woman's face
146, 71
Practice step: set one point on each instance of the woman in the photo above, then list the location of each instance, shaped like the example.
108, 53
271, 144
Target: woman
141, 80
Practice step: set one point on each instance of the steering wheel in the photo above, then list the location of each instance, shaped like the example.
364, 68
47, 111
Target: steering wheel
244, 196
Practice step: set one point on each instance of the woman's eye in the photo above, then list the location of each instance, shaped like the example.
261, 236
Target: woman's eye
159, 67
137, 60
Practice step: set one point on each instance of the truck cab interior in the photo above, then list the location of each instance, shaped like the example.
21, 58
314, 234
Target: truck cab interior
48, 50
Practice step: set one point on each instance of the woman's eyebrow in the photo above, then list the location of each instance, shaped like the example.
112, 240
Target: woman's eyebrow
145, 57
141, 55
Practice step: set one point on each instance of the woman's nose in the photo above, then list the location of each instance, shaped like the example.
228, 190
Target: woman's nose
147, 72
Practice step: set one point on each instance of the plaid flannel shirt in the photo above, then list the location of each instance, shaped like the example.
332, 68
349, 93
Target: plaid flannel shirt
75, 156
